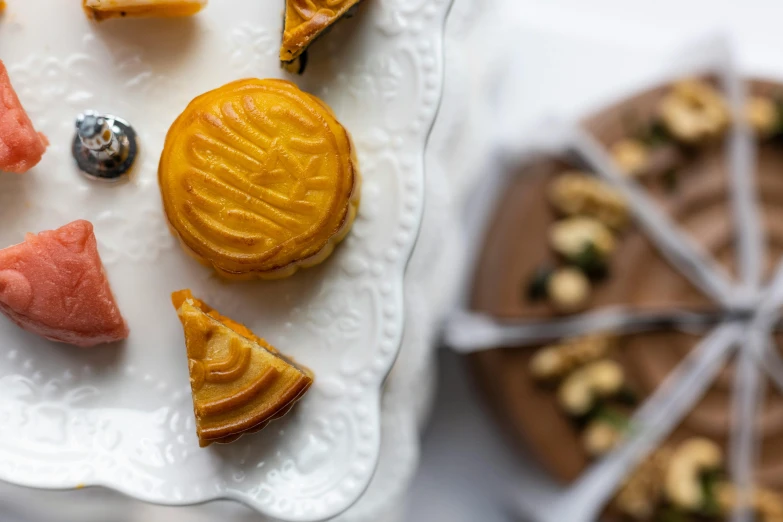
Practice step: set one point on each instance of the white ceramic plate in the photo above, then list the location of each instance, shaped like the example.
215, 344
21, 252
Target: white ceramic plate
120, 416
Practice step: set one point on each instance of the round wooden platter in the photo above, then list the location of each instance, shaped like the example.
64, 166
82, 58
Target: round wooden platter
639, 278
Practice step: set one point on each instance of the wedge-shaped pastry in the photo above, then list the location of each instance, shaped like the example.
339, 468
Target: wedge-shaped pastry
21, 148
103, 9
306, 20
239, 381
53, 284
258, 178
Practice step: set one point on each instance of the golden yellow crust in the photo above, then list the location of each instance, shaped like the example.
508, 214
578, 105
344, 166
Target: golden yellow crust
305, 20
103, 9
239, 382
258, 178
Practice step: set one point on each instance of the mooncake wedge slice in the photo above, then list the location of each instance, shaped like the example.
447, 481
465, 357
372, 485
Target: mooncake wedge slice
103, 9
239, 381
305, 21
54, 285
21, 147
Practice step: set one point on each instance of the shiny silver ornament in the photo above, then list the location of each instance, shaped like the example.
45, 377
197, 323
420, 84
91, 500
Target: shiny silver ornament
104, 146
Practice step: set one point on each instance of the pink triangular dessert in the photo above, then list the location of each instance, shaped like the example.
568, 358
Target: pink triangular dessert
21, 147
53, 284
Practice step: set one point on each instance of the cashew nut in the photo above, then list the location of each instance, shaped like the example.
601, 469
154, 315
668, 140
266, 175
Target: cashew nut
581, 389
554, 361
762, 116
577, 193
640, 495
570, 237
568, 289
600, 437
694, 111
767, 504
690, 460
631, 156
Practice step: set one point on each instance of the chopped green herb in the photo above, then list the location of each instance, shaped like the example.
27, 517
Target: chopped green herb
591, 262
581, 421
616, 419
627, 396
537, 286
709, 482
601, 412
656, 135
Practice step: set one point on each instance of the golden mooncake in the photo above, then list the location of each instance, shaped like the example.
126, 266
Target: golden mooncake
305, 21
103, 9
258, 178
239, 381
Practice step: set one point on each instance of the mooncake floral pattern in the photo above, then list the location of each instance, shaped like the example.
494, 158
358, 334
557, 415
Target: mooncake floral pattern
313, 463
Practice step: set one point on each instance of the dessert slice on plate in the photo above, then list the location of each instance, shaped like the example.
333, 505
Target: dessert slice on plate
21, 148
239, 381
103, 9
53, 284
305, 21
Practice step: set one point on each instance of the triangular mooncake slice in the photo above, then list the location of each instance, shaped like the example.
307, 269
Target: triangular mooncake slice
306, 20
21, 147
239, 382
53, 284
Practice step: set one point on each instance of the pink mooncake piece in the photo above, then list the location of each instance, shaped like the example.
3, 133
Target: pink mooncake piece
53, 284
21, 148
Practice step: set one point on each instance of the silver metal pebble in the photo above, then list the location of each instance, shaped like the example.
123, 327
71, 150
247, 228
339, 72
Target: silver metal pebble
104, 146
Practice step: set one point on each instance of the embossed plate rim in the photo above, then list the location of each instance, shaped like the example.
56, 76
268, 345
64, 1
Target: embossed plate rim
414, 30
